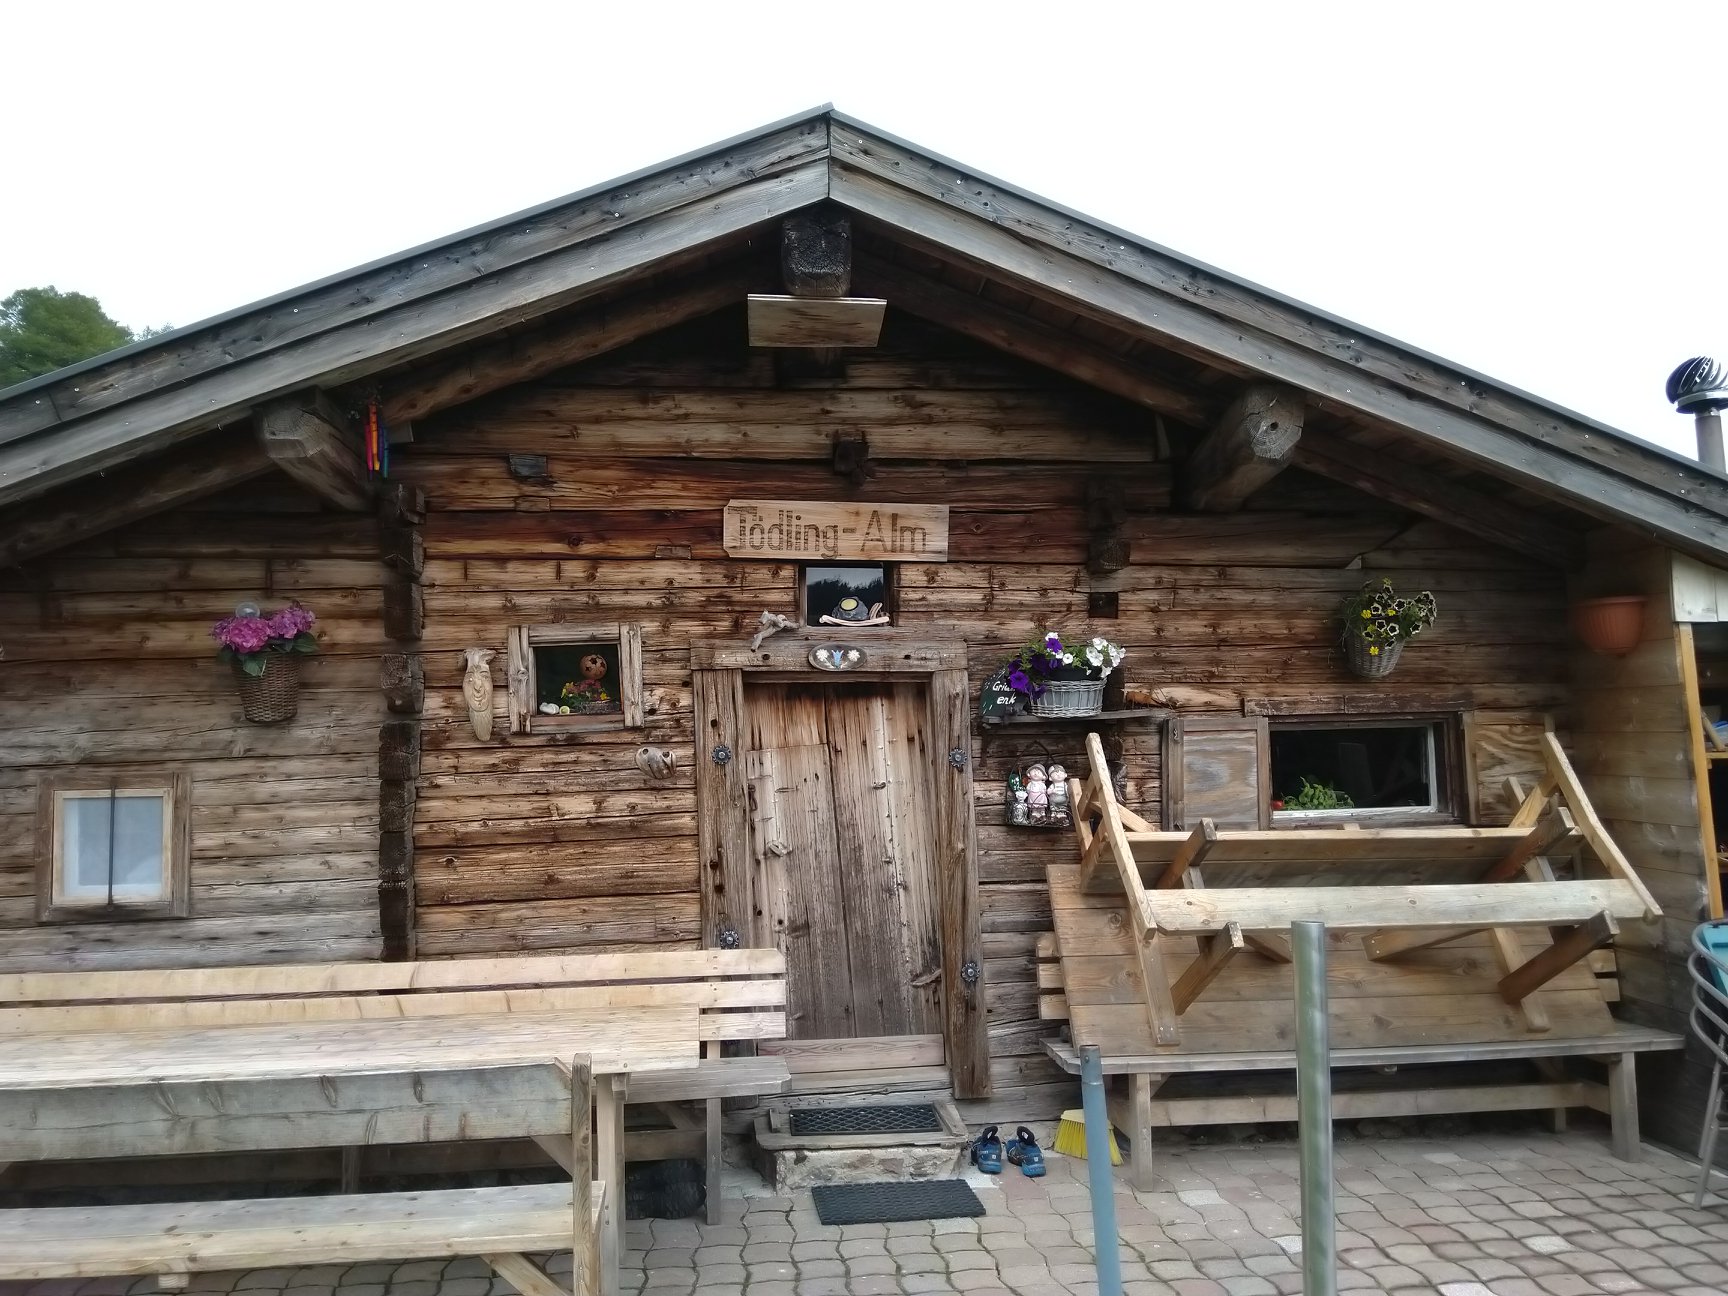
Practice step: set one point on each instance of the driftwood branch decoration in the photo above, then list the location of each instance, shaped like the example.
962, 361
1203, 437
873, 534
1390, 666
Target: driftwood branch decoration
772, 623
477, 690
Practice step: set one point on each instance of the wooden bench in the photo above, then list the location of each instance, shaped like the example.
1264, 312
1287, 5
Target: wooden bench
664, 1019
1447, 944
173, 1240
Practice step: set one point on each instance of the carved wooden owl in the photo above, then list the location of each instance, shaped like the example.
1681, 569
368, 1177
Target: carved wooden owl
477, 690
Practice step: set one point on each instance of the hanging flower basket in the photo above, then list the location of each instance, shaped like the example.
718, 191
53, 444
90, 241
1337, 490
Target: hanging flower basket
265, 654
1378, 622
1369, 665
274, 695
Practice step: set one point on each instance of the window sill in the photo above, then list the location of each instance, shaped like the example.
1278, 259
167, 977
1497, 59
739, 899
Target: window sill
1390, 817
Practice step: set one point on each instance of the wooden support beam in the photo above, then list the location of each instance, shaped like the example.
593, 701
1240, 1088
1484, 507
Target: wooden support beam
518, 358
1191, 854
1555, 833
313, 442
1249, 446
1029, 339
1575, 944
89, 508
816, 252
1439, 497
1590, 826
1269, 945
1390, 944
1509, 953
1216, 951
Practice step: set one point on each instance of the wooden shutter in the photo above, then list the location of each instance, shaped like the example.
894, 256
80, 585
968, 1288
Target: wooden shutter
1499, 744
1217, 767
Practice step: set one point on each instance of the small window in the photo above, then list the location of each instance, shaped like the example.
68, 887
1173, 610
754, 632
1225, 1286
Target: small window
847, 594
571, 678
1381, 769
113, 844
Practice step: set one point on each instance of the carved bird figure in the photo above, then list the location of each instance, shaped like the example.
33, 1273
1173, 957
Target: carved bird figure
477, 689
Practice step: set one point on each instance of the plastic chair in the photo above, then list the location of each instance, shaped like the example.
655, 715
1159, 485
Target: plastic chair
1709, 968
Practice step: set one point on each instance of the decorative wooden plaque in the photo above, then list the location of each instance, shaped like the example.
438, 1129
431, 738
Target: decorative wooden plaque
814, 530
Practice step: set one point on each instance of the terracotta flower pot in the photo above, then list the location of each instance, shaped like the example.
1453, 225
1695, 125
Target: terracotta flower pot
1610, 625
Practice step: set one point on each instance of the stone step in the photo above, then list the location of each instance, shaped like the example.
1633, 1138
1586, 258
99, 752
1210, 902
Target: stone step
805, 1160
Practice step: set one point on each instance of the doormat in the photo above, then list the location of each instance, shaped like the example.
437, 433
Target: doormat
892, 1203
909, 1118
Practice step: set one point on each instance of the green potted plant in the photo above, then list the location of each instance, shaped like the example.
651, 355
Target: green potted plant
1378, 622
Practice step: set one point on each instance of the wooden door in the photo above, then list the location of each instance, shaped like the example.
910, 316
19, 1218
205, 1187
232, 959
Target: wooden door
842, 842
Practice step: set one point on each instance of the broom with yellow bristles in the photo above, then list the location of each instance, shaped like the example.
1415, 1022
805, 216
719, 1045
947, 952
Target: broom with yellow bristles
1071, 1137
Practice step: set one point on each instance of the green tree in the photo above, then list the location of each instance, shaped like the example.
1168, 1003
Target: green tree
43, 329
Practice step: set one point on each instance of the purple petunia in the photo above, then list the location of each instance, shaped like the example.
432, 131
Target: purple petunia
1019, 681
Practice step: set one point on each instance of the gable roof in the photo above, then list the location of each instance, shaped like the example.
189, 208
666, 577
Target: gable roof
372, 323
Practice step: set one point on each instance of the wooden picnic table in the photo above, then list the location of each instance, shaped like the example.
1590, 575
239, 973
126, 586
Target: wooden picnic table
164, 1089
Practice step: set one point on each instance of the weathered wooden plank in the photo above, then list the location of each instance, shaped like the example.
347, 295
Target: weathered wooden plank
776, 320
956, 864
1021, 335
517, 358
1434, 495
1369, 908
77, 513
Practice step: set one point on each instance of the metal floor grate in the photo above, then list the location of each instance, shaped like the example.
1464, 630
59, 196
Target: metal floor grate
908, 1118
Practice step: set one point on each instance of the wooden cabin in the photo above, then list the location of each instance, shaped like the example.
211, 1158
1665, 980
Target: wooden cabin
812, 363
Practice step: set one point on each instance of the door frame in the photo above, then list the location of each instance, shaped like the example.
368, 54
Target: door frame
731, 910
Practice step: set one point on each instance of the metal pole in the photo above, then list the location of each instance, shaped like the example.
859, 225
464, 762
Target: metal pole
1708, 424
1105, 1242
1314, 1110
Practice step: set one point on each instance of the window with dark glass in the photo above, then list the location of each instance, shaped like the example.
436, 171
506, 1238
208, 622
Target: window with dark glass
1344, 769
847, 593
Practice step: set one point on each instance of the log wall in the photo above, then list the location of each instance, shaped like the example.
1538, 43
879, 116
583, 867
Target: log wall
1632, 741
546, 844
108, 661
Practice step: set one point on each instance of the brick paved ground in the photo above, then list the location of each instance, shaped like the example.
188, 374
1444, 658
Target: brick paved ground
1524, 1214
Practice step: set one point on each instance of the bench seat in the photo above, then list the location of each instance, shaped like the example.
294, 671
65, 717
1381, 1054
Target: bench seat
349, 1228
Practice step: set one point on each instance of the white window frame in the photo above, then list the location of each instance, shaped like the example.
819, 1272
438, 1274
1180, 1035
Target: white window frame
57, 901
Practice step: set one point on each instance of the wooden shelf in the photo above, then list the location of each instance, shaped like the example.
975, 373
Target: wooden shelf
1127, 716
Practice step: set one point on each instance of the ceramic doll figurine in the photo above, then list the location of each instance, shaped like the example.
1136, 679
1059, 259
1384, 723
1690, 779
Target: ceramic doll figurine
1020, 814
1060, 816
1014, 800
1037, 796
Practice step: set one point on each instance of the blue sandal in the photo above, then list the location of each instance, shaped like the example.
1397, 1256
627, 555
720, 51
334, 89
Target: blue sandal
1025, 1153
987, 1151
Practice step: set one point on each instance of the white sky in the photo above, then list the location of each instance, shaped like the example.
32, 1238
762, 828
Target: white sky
1529, 189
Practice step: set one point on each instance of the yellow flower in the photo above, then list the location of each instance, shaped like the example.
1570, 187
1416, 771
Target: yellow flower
1366, 614
1373, 650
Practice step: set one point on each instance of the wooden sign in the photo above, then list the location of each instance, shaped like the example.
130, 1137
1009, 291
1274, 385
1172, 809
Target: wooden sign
812, 530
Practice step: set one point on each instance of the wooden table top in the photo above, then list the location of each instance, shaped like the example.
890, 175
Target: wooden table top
640, 1038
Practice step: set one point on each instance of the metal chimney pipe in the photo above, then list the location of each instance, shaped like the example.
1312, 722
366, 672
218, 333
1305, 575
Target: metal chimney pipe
1699, 387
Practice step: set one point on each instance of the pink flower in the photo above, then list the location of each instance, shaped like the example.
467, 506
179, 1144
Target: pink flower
291, 621
242, 634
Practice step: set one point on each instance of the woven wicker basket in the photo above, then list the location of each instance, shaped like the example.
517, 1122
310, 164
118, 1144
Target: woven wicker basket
274, 696
1371, 665
1070, 698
